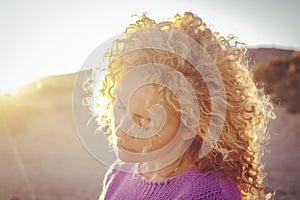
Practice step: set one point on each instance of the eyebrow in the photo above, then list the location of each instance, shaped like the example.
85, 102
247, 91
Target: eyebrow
138, 115
141, 116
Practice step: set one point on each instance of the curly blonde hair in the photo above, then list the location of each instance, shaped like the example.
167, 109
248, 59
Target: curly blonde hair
241, 144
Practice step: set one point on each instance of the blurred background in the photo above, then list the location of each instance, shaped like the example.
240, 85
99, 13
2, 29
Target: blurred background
45, 43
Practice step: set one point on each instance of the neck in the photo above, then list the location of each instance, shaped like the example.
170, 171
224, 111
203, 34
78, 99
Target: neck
174, 169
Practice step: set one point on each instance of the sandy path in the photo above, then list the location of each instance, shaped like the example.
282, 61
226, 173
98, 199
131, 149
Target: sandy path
42, 157
283, 160
45, 159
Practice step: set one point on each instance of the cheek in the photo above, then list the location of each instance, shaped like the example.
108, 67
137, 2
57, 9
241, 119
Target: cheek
166, 135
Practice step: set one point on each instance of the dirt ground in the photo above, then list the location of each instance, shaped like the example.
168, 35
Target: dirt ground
283, 158
43, 158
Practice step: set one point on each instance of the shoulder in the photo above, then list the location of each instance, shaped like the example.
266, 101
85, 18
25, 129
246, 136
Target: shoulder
228, 189
213, 185
113, 179
117, 169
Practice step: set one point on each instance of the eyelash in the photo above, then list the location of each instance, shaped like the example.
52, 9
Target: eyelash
142, 121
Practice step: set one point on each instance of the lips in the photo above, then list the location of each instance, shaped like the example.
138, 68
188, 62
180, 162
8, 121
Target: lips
122, 135
126, 142
121, 139
120, 145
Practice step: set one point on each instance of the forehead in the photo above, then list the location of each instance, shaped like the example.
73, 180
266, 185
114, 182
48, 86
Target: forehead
144, 95
147, 84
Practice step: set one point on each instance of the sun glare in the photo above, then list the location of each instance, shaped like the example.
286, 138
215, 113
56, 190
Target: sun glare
12, 86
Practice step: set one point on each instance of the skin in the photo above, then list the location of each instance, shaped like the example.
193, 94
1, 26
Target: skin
139, 104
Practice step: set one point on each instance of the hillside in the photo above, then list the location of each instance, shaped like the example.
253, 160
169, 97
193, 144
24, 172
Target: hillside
258, 55
42, 156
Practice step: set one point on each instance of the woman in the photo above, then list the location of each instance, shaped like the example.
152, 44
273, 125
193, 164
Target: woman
182, 113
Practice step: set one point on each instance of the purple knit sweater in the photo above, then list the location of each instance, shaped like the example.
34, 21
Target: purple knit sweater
189, 185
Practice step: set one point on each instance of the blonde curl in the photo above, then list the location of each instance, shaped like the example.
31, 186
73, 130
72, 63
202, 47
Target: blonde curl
248, 109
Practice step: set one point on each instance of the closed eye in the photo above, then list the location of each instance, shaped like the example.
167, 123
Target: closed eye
141, 120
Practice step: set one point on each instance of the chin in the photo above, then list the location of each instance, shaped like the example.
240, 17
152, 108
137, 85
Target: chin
125, 156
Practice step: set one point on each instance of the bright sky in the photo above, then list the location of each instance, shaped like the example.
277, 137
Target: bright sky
40, 38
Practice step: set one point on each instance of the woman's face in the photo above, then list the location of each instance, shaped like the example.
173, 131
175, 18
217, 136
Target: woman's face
138, 109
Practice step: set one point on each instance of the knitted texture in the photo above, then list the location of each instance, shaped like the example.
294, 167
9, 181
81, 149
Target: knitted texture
189, 185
